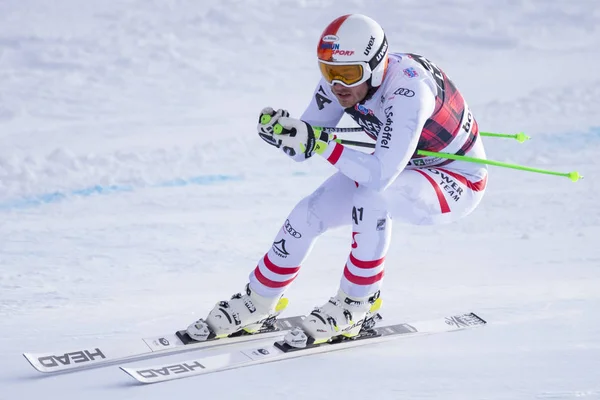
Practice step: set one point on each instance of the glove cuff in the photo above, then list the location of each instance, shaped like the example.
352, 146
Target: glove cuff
322, 140
316, 141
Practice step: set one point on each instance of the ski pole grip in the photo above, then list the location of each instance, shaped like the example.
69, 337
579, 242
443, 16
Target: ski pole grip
265, 119
277, 128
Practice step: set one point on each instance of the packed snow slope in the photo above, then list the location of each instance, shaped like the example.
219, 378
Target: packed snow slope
135, 193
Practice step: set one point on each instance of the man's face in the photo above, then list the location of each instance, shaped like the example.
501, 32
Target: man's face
350, 96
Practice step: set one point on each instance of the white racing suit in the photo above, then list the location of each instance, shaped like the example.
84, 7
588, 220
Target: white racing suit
416, 108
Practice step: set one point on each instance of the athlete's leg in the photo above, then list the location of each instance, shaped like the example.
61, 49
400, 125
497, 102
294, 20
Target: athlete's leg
327, 207
371, 234
438, 195
424, 196
433, 196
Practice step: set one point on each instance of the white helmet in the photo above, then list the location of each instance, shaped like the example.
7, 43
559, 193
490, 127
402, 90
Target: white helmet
353, 49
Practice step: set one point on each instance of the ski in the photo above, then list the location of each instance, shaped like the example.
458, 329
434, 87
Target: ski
109, 353
278, 351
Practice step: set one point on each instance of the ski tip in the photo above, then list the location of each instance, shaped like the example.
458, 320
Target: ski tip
129, 372
30, 359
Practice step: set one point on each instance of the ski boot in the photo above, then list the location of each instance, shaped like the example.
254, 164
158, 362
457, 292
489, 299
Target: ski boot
341, 318
246, 313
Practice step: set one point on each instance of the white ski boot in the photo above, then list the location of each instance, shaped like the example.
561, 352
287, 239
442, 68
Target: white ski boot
342, 316
247, 312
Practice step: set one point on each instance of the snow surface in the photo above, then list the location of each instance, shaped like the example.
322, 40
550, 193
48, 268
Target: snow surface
134, 193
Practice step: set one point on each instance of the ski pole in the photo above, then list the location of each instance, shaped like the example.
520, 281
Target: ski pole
520, 137
573, 176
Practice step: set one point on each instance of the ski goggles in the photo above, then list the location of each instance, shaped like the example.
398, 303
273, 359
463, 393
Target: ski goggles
349, 75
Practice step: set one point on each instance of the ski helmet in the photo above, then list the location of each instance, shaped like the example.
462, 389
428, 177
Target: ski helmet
353, 49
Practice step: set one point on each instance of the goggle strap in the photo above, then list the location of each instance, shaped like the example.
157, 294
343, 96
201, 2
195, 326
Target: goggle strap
374, 62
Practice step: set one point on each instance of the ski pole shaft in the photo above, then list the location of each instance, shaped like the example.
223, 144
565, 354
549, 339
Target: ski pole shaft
573, 176
520, 137
355, 143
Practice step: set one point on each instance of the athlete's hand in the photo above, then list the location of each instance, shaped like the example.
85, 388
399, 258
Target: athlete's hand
267, 120
298, 139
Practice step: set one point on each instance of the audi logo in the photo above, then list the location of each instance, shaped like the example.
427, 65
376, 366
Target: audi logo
404, 92
291, 230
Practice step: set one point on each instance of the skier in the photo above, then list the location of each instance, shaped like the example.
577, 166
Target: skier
405, 103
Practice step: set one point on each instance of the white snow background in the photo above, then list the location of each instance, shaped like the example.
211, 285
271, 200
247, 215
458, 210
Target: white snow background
135, 193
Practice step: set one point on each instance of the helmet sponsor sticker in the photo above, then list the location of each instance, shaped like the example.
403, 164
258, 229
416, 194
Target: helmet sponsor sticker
335, 49
332, 46
343, 52
369, 46
382, 50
